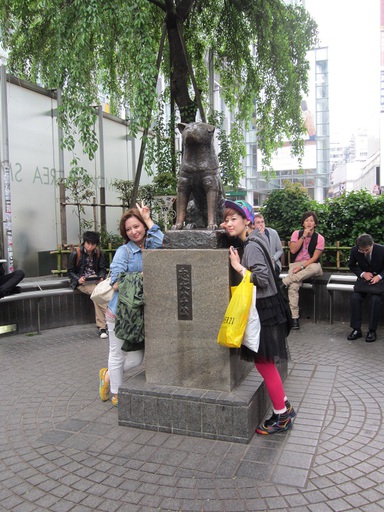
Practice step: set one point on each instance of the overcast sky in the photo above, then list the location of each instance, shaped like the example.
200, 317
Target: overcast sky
351, 30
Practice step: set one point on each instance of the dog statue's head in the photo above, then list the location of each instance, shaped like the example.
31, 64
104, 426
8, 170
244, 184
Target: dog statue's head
196, 133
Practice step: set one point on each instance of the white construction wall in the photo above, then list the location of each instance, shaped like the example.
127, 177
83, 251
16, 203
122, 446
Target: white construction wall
34, 163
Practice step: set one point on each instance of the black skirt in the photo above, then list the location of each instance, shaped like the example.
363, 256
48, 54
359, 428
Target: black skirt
273, 341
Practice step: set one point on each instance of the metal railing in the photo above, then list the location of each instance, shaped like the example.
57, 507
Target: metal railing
328, 250
63, 253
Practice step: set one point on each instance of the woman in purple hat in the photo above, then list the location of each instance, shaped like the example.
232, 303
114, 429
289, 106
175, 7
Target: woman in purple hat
238, 220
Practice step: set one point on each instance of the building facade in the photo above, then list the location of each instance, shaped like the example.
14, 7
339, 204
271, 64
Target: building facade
313, 174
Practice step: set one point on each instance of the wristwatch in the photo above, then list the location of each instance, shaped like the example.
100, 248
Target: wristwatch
302, 266
303, 237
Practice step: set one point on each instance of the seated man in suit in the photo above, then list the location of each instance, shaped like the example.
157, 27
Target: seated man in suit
366, 260
9, 282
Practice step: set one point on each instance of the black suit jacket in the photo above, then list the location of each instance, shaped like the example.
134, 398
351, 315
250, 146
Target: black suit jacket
359, 264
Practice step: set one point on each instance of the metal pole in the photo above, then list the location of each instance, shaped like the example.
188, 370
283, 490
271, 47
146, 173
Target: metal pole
6, 170
62, 198
3, 84
211, 81
103, 221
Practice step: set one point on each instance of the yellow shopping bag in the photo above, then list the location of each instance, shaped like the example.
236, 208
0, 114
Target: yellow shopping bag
235, 319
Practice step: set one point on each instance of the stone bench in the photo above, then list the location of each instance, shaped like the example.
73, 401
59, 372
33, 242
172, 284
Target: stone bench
44, 303
36, 295
340, 283
309, 284
43, 284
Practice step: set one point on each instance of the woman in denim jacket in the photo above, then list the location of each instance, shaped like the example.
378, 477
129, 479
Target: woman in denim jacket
140, 232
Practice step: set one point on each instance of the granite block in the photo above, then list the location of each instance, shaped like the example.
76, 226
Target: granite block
208, 414
179, 415
194, 417
196, 239
165, 412
181, 349
224, 419
208, 418
241, 427
137, 408
151, 409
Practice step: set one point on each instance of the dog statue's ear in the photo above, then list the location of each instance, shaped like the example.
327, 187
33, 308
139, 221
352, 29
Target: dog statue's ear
210, 128
181, 127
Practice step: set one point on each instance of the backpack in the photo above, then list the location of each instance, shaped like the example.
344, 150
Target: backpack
129, 325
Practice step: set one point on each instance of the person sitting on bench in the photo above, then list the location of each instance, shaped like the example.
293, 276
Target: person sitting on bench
9, 282
366, 261
86, 268
306, 247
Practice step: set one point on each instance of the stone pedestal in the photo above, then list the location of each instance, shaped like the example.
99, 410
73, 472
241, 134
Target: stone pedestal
224, 416
191, 385
186, 295
196, 239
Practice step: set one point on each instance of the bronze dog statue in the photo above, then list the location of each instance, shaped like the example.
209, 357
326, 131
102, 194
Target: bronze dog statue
200, 193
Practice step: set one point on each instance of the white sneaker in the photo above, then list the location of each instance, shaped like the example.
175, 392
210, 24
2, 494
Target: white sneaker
103, 333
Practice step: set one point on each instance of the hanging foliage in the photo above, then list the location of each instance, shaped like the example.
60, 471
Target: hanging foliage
80, 46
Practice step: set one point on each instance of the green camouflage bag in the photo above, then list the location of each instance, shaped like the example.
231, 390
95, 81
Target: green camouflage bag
129, 325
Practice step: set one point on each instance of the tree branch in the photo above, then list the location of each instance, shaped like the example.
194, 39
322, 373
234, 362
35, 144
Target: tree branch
184, 8
159, 4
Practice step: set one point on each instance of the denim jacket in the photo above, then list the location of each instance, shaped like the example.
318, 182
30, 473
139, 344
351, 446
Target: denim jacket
129, 258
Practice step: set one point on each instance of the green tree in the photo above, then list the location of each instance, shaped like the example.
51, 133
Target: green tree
161, 153
341, 219
284, 208
146, 193
232, 149
125, 190
80, 188
352, 214
259, 49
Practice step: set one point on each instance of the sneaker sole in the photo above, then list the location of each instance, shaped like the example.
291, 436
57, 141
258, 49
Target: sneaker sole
267, 433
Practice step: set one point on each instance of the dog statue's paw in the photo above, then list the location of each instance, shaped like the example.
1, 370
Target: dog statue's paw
177, 227
212, 227
190, 226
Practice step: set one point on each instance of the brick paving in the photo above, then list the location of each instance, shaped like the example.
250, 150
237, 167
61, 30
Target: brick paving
62, 450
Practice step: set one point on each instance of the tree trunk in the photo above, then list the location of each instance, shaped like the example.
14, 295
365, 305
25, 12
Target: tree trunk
179, 73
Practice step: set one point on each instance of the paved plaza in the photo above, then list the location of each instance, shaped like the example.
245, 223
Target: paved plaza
62, 449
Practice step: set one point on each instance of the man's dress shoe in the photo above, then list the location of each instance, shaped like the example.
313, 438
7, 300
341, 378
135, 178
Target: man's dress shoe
371, 336
295, 323
355, 334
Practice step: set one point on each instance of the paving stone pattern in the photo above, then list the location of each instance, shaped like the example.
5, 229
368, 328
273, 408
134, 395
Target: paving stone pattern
62, 450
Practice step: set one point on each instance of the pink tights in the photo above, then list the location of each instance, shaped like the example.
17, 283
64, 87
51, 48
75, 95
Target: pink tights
273, 383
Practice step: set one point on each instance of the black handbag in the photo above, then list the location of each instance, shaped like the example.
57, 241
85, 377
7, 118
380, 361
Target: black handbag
282, 298
363, 286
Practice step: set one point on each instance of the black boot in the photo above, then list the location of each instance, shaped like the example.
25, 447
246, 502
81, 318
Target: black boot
295, 324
